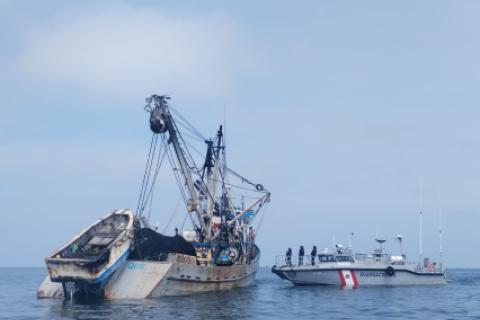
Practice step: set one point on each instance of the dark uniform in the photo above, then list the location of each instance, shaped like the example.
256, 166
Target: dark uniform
301, 253
313, 254
288, 257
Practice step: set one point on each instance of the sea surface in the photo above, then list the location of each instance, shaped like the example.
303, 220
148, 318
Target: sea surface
269, 298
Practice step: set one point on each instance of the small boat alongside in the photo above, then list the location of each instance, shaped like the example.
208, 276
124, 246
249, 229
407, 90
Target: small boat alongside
341, 267
88, 261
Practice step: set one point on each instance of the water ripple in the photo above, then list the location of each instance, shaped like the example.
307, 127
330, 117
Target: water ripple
269, 298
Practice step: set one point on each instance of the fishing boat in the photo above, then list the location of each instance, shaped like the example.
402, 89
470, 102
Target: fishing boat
88, 262
341, 267
217, 251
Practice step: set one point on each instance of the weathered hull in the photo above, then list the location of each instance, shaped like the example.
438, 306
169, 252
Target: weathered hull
186, 278
355, 277
86, 264
72, 270
179, 275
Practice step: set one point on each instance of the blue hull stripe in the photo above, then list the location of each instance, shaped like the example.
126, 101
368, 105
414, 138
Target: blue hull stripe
110, 270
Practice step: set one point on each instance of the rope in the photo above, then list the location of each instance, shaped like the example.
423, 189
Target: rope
240, 177
157, 170
194, 131
194, 136
184, 220
182, 191
146, 172
149, 171
175, 211
261, 218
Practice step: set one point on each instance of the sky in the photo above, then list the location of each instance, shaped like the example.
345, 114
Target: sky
342, 109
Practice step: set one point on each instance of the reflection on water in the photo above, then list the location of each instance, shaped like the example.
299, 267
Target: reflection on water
235, 303
269, 298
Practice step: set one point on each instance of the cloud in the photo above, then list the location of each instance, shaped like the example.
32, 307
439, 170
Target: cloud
124, 52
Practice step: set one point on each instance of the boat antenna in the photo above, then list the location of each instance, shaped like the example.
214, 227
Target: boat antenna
225, 173
440, 232
350, 236
400, 241
420, 254
380, 242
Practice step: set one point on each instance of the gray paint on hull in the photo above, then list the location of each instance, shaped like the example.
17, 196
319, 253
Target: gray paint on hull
183, 278
364, 277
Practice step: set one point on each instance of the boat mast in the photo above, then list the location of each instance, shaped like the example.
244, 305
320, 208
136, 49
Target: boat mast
163, 112
440, 234
212, 165
421, 226
201, 195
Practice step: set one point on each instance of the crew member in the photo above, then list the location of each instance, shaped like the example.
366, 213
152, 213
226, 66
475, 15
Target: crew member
251, 234
313, 254
288, 257
301, 254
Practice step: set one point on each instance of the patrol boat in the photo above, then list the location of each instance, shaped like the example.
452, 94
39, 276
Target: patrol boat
341, 267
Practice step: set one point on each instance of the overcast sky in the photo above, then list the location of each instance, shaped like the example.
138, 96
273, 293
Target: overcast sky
339, 108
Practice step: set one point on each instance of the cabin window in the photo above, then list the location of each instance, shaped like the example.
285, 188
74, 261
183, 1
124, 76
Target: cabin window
326, 258
344, 259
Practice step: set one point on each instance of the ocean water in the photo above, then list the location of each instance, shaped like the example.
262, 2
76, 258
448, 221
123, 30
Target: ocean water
269, 298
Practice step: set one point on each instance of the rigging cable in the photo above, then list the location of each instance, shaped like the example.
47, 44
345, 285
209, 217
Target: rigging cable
146, 172
142, 207
193, 167
194, 130
184, 220
160, 158
175, 211
180, 185
261, 218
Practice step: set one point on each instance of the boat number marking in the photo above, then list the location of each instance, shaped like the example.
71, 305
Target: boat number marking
134, 265
372, 274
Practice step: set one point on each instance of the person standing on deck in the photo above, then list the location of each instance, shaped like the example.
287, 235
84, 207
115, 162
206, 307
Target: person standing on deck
301, 253
288, 257
313, 254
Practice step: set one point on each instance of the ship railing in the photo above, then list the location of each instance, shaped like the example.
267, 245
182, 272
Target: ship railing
295, 260
429, 269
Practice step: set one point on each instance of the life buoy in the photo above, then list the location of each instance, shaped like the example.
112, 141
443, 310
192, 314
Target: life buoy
390, 271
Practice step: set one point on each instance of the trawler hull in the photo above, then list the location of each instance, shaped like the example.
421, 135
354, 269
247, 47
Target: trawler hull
187, 278
357, 276
178, 275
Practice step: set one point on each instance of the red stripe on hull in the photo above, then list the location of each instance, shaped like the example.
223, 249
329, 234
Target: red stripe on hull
342, 278
354, 278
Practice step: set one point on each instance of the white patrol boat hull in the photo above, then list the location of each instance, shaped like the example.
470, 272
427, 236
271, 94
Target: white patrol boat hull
351, 276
